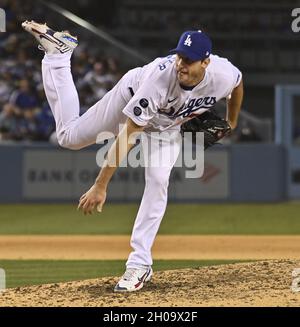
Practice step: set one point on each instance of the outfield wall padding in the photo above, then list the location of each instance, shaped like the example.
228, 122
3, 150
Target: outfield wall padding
237, 173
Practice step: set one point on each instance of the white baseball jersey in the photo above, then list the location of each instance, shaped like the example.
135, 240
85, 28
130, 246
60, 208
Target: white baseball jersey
156, 99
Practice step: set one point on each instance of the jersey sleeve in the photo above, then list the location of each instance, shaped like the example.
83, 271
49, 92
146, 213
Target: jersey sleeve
237, 76
234, 80
144, 105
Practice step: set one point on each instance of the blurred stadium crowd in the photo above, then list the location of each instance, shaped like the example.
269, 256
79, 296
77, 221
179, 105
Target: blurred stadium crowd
24, 110
265, 58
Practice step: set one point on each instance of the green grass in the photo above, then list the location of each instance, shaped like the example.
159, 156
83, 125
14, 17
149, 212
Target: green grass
281, 218
35, 272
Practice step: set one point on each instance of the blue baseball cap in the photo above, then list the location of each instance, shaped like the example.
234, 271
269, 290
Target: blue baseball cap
194, 45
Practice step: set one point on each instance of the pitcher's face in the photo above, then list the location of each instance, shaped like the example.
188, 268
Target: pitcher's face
190, 73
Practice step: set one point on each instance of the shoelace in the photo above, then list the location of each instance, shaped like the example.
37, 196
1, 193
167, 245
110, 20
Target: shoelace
129, 273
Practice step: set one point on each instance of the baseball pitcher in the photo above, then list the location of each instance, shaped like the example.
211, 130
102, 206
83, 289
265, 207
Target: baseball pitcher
160, 96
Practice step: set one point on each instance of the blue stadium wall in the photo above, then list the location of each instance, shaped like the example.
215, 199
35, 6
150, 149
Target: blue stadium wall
237, 173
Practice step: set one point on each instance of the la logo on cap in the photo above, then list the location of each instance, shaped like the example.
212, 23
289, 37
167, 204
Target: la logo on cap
188, 41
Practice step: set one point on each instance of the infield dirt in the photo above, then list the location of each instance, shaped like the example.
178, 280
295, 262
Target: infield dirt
264, 283
168, 247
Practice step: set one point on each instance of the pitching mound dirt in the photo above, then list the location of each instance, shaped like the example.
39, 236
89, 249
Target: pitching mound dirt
264, 283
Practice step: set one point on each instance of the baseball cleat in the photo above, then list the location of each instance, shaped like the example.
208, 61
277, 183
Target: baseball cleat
50, 41
133, 279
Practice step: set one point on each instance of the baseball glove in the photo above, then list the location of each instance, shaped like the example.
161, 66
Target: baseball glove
213, 127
